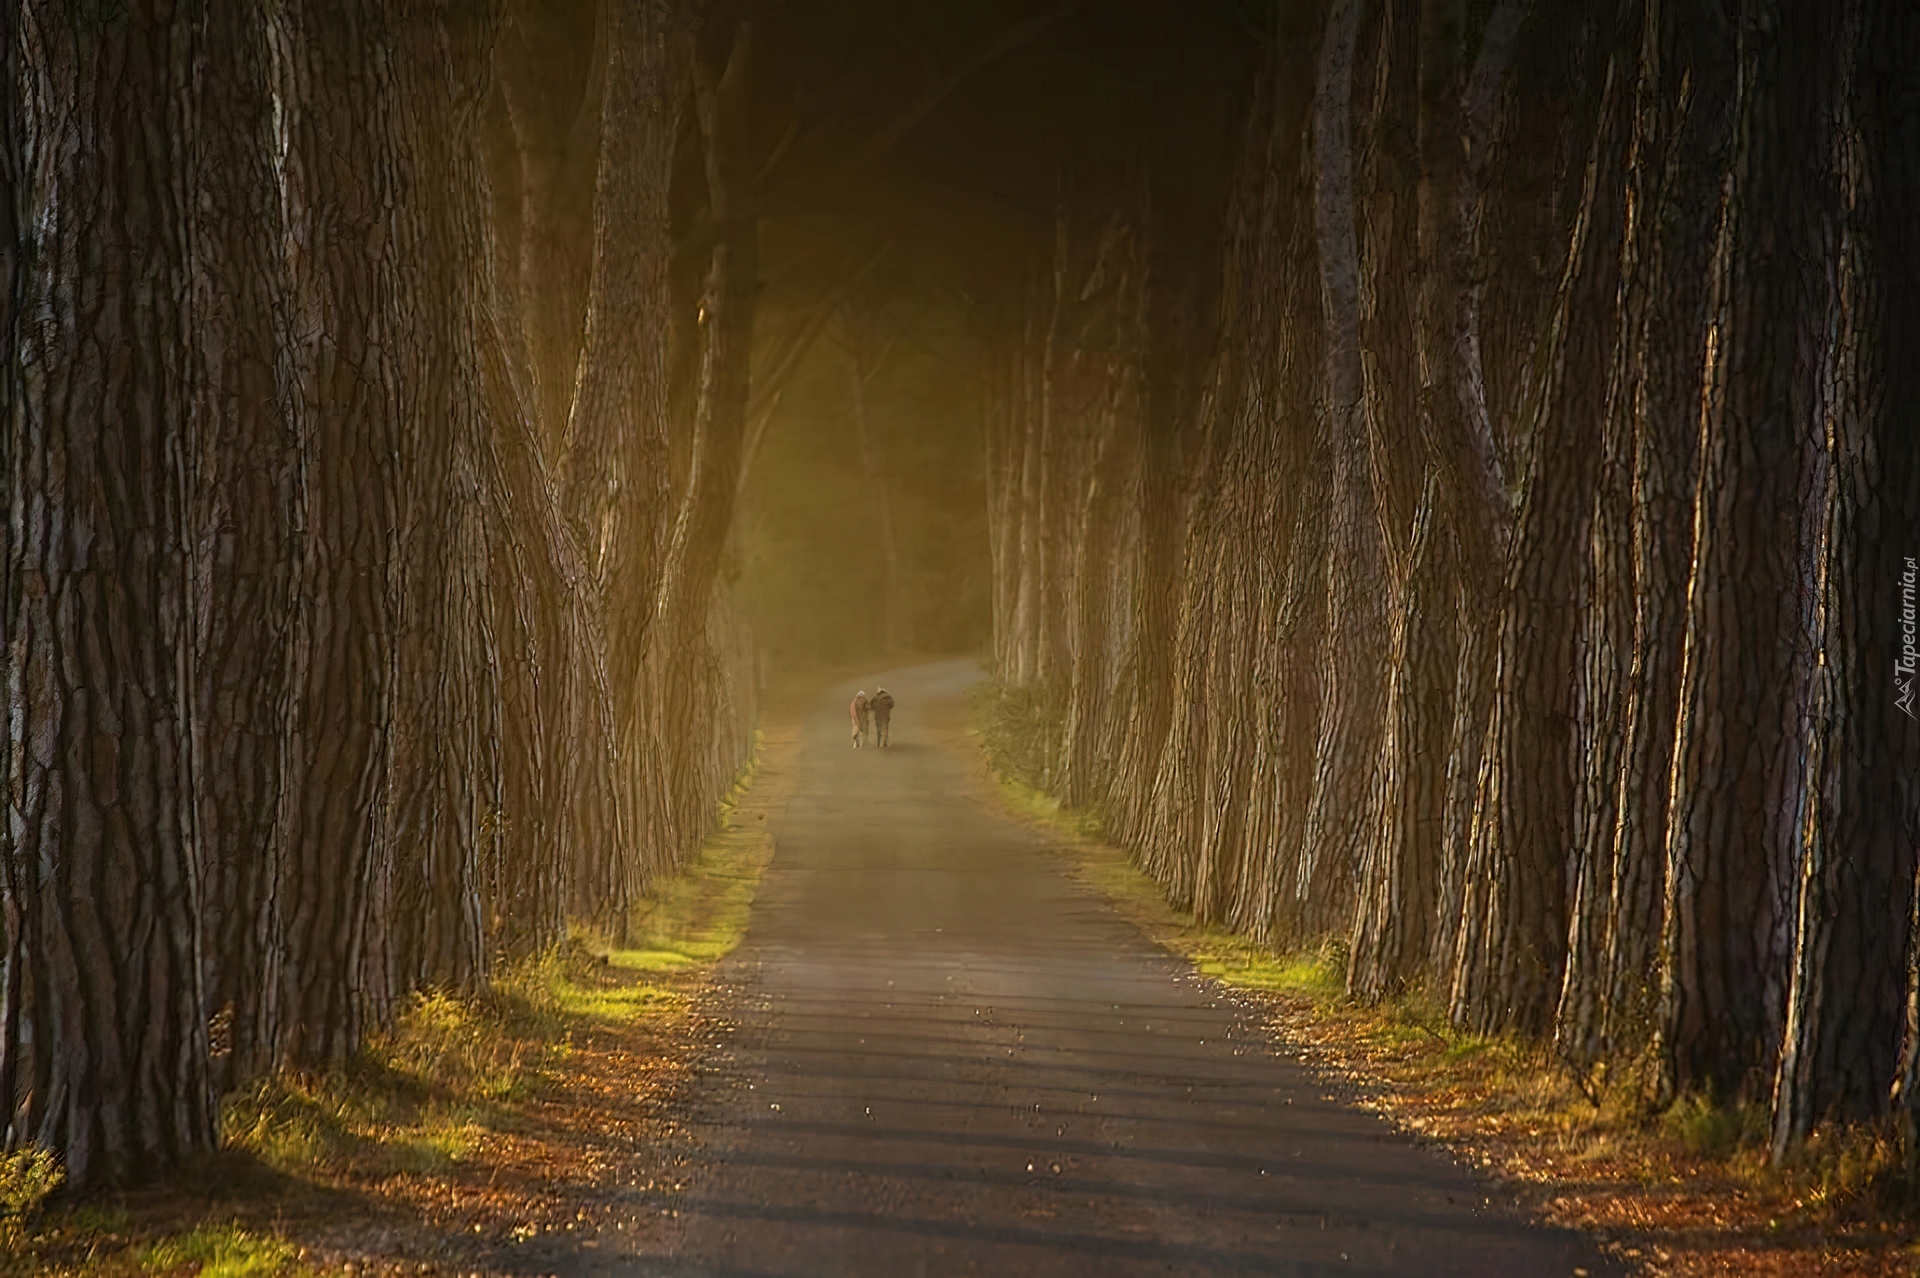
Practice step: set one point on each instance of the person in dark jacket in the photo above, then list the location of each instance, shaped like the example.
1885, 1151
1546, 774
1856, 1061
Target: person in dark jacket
882, 707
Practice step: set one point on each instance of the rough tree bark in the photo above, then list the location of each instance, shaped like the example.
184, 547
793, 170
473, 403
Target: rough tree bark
726, 315
1732, 835
1351, 694
341, 175
1511, 971
103, 1038
1891, 128
242, 504
1844, 1015
1641, 546
439, 769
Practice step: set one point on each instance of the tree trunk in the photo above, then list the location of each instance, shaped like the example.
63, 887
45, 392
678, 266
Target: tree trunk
104, 1054
1351, 694
720, 414
1891, 137
1168, 305
1512, 964
1399, 847
341, 177
1844, 1023
1680, 128
556, 113
241, 505
1732, 836
438, 770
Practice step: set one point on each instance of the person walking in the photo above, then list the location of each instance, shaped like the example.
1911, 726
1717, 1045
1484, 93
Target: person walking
882, 707
860, 710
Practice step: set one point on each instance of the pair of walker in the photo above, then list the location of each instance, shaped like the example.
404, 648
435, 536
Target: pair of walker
873, 716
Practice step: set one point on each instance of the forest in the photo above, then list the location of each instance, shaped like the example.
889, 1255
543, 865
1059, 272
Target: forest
366, 518
1494, 561
1447, 486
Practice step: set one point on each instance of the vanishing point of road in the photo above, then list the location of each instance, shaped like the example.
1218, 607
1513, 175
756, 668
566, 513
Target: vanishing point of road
952, 1059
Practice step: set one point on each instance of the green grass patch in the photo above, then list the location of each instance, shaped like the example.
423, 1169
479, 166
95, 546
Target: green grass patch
219, 1251
577, 983
86, 1242
700, 915
27, 1178
1713, 1130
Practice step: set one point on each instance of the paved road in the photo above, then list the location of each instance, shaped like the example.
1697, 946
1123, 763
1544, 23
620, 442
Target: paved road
955, 1061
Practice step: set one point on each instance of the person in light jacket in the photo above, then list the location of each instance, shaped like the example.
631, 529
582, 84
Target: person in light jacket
859, 710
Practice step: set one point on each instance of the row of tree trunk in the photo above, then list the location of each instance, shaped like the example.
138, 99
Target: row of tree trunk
1505, 577
370, 452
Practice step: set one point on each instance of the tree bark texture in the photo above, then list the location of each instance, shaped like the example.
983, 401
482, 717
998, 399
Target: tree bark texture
1739, 765
1518, 628
105, 1055
303, 636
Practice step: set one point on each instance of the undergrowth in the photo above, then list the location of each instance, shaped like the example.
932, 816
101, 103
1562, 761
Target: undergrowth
700, 915
1506, 1102
1020, 730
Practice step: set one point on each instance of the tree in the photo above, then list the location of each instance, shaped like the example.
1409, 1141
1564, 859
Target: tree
1738, 770
104, 1056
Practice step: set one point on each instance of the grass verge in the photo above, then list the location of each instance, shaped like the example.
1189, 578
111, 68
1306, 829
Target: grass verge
540, 1113
1688, 1191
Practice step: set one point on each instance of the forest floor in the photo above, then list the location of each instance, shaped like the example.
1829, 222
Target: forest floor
478, 1135
1687, 1193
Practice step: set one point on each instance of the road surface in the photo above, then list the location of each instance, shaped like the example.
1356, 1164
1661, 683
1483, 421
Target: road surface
953, 1060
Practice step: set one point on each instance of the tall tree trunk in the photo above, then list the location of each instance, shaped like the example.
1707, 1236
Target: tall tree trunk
617, 488
103, 1038
1732, 836
1399, 848
1090, 691
700, 530
1169, 311
1680, 131
1510, 973
1351, 694
1891, 128
556, 113
438, 769
341, 185
1844, 1021
1028, 599
241, 504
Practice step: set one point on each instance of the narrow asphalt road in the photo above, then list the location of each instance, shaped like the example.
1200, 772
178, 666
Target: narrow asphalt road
953, 1060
